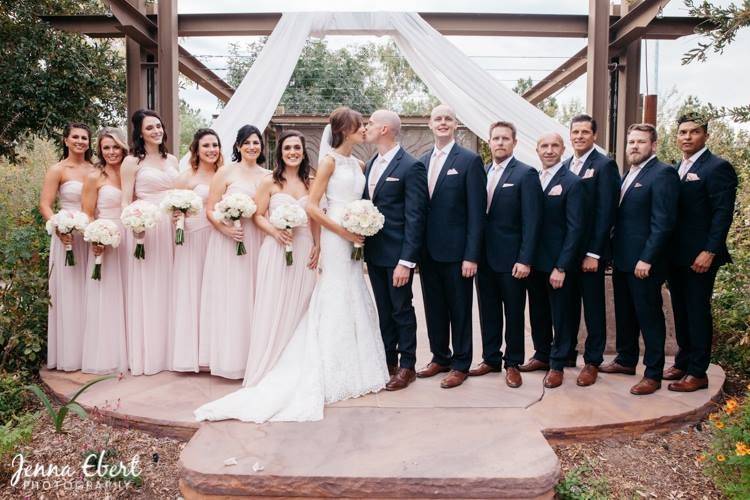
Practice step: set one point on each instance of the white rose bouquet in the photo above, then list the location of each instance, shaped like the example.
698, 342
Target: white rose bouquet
363, 218
233, 207
139, 216
184, 201
286, 217
101, 232
66, 222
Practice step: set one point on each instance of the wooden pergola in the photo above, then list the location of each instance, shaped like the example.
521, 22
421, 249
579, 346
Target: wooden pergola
612, 57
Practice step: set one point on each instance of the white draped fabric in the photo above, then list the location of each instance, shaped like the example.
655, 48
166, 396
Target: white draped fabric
477, 97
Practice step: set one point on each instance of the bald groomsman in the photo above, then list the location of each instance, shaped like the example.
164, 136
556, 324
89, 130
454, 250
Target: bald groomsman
707, 192
458, 199
556, 265
645, 220
511, 232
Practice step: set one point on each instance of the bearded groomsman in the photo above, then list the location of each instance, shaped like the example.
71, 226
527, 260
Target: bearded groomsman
456, 185
511, 232
601, 181
557, 263
707, 192
645, 220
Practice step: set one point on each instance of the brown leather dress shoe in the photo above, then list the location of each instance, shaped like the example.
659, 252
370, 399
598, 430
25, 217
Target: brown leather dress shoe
392, 370
587, 376
689, 384
513, 377
483, 369
401, 379
554, 378
534, 365
673, 373
615, 367
645, 386
454, 379
431, 370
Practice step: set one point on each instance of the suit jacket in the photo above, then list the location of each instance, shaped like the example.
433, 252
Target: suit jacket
646, 217
705, 210
401, 196
513, 222
456, 210
562, 223
601, 182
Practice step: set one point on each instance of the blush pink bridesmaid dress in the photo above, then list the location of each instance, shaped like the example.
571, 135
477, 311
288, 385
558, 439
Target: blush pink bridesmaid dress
227, 297
282, 295
104, 333
187, 279
149, 281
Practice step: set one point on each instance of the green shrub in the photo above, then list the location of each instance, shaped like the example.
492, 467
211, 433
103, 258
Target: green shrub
12, 397
12, 435
580, 483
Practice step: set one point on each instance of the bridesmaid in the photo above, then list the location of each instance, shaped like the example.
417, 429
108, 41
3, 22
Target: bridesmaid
205, 160
229, 279
104, 334
64, 181
147, 174
282, 292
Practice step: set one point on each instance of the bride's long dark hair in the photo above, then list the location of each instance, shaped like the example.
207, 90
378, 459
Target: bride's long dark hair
304, 167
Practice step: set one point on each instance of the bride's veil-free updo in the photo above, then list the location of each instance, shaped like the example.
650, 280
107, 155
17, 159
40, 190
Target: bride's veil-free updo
342, 122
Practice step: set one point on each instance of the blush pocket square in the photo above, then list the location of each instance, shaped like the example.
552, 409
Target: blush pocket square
452, 171
555, 191
508, 184
392, 179
637, 185
589, 173
692, 177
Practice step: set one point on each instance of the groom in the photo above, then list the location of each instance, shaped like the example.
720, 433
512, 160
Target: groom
397, 185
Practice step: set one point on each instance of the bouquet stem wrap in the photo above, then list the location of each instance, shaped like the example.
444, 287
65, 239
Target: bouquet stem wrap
97, 274
70, 258
240, 244
140, 247
358, 251
179, 235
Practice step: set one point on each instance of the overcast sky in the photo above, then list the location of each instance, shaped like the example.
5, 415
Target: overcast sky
722, 80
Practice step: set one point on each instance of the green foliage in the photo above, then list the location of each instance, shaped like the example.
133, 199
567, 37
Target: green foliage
58, 416
12, 397
548, 105
49, 77
13, 434
581, 483
728, 462
190, 121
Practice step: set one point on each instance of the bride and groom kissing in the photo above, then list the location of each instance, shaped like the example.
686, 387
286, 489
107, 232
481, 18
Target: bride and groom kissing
341, 349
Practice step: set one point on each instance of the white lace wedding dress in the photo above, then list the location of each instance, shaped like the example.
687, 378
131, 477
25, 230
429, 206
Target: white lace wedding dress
336, 351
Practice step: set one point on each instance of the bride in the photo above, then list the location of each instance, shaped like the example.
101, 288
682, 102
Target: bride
336, 352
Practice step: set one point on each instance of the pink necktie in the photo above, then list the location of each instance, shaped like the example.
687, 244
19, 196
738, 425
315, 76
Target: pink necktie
545, 176
375, 174
577, 166
492, 185
686, 164
434, 170
628, 181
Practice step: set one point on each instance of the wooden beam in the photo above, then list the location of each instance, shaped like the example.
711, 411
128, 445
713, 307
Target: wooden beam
628, 96
169, 98
597, 84
634, 25
200, 74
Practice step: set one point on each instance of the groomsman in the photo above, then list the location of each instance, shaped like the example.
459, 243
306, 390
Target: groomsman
707, 191
456, 184
601, 181
397, 185
511, 232
645, 220
557, 263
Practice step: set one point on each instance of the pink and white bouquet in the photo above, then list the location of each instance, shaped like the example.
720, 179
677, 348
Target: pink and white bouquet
184, 201
286, 217
233, 207
101, 232
139, 216
363, 218
66, 222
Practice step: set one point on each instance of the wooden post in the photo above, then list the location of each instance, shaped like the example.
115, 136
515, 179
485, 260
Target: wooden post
135, 74
168, 73
628, 94
649, 109
597, 73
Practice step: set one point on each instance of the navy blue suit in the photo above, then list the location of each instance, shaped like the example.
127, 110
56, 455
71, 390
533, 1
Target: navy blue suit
705, 210
559, 248
401, 196
511, 233
643, 227
455, 220
601, 181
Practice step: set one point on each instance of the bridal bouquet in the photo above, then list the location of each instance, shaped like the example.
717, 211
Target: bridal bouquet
185, 201
101, 232
286, 217
65, 222
363, 218
234, 207
139, 216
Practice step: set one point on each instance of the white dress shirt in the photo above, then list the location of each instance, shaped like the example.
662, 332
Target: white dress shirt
550, 173
493, 178
689, 162
576, 163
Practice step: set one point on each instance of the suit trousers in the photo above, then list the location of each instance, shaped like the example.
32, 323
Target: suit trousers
638, 309
398, 321
448, 298
549, 310
590, 292
501, 296
691, 303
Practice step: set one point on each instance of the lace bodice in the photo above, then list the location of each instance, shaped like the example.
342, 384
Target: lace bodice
347, 182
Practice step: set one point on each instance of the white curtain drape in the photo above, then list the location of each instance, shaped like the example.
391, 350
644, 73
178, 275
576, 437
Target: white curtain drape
477, 97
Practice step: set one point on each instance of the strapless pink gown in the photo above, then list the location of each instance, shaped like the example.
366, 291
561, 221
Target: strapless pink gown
67, 285
104, 333
149, 281
281, 297
227, 297
187, 280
